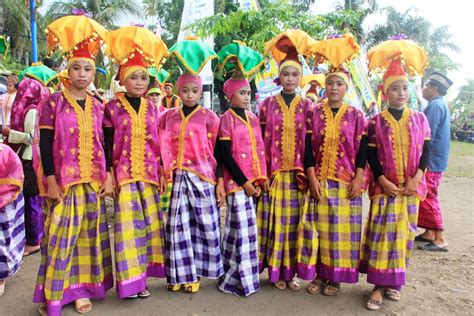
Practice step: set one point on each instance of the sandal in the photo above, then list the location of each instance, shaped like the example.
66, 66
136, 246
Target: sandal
144, 294
43, 310
280, 285
175, 287
316, 286
131, 297
294, 284
192, 287
392, 294
31, 252
372, 304
331, 288
83, 305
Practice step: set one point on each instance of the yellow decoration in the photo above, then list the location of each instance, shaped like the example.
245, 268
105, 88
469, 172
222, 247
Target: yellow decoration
336, 51
294, 37
410, 53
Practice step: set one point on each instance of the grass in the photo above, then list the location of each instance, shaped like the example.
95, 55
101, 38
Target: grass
461, 160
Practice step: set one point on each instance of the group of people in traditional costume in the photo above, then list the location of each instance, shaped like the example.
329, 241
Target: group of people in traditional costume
291, 177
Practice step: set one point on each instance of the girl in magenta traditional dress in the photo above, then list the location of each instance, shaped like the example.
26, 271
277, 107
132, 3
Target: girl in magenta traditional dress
76, 263
133, 149
399, 146
283, 121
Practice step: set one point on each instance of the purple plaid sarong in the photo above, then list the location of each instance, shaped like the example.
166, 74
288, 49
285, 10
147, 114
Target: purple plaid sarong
240, 246
192, 231
12, 237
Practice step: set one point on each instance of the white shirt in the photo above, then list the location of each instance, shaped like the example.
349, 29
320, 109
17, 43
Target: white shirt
27, 136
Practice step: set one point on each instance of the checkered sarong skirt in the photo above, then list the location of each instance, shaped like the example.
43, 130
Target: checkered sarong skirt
239, 246
278, 216
12, 237
192, 231
338, 223
165, 198
139, 237
75, 250
388, 239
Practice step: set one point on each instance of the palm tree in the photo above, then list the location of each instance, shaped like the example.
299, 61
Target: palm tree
106, 12
15, 23
436, 40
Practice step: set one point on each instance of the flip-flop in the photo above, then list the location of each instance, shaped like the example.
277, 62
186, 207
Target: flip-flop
294, 284
392, 294
26, 254
420, 238
279, 285
144, 294
43, 310
372, 304
315, 287
331, 285
433, 247
81, 303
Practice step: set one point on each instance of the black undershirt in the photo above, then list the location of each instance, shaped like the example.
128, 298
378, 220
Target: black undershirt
225, 148
374, 163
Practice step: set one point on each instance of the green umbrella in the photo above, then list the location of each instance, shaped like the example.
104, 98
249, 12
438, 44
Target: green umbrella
3, 45
248, 60
161, 75
192, 54
40, 72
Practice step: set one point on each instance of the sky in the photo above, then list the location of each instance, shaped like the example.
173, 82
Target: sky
455, 14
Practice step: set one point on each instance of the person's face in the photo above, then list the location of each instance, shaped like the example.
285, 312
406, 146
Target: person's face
397, 94
81, 75
190, 93
168, 91
429, 91
136, 84
290, 79
336, 88
154, 97
241, 98
11, 87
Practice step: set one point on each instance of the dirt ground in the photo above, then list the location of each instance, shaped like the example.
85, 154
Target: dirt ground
437, 283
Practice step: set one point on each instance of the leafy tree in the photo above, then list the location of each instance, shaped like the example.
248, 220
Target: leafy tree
463, 107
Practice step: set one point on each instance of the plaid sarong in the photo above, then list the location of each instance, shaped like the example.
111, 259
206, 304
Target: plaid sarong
192, 231
239, 246
139, 237
338, 223
12, 237
165, 198
278, 216
75, 250
388, 239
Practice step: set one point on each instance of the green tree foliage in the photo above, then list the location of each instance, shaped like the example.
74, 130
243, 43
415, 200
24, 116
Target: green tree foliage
463, 107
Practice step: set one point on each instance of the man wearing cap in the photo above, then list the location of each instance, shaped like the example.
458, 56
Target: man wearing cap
170, 99
437, 112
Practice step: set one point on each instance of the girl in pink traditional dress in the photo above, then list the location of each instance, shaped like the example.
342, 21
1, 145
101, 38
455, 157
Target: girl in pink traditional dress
133, 149
12, 229
243, 156
398, 140
189, 136
76, 263
283, 121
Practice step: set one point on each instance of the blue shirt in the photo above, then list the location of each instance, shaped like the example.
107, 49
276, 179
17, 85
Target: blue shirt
439, 118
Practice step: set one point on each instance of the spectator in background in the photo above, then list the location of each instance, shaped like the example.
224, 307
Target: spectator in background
437, 112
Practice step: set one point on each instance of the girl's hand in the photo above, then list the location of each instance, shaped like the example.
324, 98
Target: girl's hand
266, 186
412, 184
54, 191
389, 187
250, 189
355, 187
108, 187
314, 185
163, 184
220, 192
